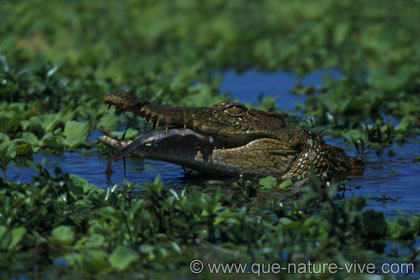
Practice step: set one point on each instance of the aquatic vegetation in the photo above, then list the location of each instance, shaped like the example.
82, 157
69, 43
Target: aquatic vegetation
105, 231
58, 59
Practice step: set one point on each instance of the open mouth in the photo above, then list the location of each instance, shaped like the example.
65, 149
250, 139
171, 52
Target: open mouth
178, 134
226, 138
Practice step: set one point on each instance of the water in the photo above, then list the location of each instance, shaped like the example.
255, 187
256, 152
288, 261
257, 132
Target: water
247, 86
395, 176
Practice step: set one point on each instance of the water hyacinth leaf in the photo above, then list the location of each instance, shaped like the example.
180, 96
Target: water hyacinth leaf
24, 149
79, 129
9, 239
33, 124
51, 141
268, 182
75, 141
122, 257
94, 260
340, 33
148, 250
16, 235
8, 150
62, 235
30, 138
399, 229
129, 133
43, 123
404, 124
108, 122
79, 185
228, 217
352, 134
4, 138
7, 154
95, 240
52, 122
8, 121
4, 237
286, 184
92, 241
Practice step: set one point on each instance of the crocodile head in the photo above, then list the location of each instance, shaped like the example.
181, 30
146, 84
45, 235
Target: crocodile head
227, 139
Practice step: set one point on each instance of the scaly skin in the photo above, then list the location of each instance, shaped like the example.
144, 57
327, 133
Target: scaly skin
229, 139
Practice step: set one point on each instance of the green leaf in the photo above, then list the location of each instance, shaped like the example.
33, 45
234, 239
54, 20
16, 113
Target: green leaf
11, 151
62, 235
24, 149
80, 185
352, 134
4, 138
52, 123
30, 138
4, 237
10, 239
341, 32
17, 235
129, 133
80, 129
75, 141
76, 133
94, 260
215, 182
93, 241
108, 122
122, 257
399, 229
286, 184
51, 141
403, 125
268, 182
8, 121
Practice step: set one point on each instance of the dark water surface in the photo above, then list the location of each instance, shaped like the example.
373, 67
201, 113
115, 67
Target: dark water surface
247, 86
394, 176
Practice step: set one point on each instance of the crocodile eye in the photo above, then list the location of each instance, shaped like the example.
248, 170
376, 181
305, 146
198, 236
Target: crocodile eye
236, 110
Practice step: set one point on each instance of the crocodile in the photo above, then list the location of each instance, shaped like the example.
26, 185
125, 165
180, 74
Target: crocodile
228, 139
